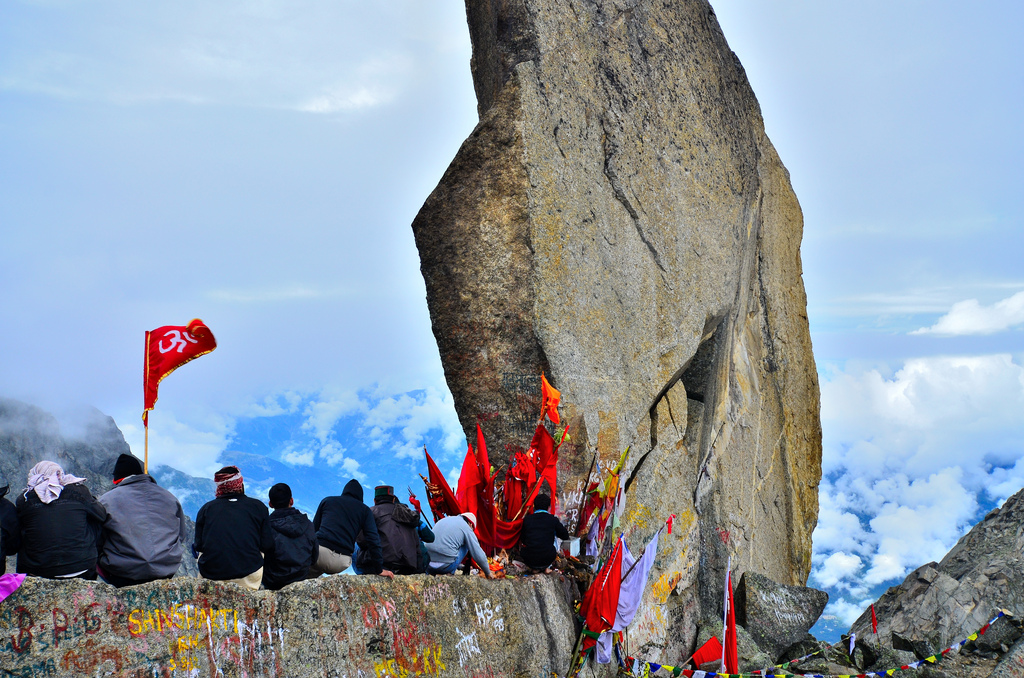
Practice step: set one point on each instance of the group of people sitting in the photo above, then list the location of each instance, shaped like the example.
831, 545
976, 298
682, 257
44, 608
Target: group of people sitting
136, 532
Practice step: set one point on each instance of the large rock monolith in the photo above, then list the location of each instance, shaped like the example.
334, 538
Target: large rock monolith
620, 221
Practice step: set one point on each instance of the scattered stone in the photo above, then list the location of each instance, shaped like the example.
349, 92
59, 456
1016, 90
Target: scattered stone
775, 615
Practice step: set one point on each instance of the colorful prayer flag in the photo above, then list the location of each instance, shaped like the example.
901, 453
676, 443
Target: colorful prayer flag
167, 349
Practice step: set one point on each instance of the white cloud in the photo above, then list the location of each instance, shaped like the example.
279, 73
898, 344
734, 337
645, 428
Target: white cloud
848, 611
298, 457
908, 457
323, 414
413, 417
970, 317
837, 567
191, 447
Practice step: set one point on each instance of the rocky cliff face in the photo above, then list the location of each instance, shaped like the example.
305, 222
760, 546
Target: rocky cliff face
333, 626
619, 220
942, 603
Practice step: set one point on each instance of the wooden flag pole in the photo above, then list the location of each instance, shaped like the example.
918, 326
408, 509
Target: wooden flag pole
145, 467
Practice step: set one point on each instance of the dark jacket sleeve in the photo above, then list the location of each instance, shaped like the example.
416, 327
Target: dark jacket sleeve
318, 516
182, 525
560, 530
266, 533
311, 535
197, 542
425, 533
11, 537
374, 555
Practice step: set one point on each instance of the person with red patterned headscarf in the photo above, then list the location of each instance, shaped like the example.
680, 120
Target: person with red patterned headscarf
233, 533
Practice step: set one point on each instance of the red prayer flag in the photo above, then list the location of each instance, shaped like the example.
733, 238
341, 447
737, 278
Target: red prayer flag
708, 652
874, 620
469, 479
167, 349
446, 504
487, 514
545, 456
549, 398
601, 600
732, 663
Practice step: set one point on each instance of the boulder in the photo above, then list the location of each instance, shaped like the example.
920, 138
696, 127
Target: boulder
619, 221
776, 615
332, 626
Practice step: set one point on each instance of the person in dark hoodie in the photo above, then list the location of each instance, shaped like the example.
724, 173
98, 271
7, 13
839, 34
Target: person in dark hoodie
538, 536
338, 522
295, 544
400, 530
10, 532
60, 525
145, 530
233, 533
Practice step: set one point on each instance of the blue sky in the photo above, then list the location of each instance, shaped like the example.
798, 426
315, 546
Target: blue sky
257, 165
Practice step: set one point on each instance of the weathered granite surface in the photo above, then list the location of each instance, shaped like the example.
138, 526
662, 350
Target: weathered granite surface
776, 616
941, 603
332, 626
619, 220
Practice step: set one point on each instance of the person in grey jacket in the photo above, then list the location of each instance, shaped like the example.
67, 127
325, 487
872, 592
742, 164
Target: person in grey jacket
453, 540
144, 531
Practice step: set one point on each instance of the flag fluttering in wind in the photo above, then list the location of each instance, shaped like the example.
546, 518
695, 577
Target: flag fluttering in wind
167, 349
439, 494
874, 620
549, 399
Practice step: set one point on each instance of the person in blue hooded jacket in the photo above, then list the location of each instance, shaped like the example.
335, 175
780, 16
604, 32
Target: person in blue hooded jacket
338, 523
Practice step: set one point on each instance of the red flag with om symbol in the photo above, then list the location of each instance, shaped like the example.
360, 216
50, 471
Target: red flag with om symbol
167, 349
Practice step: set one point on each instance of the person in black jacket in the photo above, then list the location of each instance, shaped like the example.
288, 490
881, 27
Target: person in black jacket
338, 522
10, 531
537, 539
295, 545
233, 533
60, 524
400, 530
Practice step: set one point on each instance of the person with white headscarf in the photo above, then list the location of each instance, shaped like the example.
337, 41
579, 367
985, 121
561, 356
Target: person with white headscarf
60, 525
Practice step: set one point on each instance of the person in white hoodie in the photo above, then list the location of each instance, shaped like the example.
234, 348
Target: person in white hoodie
453, 540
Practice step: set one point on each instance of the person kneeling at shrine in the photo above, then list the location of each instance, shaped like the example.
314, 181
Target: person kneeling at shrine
400, 530
453, 540
295, 544
537, 540
145, 528
233, 533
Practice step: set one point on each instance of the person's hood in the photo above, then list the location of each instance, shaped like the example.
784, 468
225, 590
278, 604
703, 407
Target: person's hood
353, 489
291, 522
4, 490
